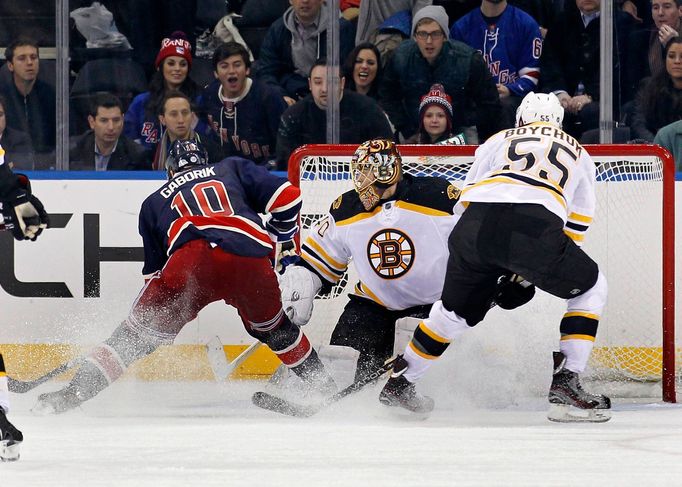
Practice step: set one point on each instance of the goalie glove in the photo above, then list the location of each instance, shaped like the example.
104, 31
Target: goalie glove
513, 291
299, 287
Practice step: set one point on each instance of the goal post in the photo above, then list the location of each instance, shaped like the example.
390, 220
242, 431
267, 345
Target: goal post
632, 239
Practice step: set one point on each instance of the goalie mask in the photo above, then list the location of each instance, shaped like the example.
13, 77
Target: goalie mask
375, 166
184, 154
540, 107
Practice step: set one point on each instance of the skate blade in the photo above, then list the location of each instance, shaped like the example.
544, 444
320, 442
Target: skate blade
9, 453
563, 413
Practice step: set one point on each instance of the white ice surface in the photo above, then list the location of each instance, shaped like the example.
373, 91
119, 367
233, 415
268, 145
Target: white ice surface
207, 434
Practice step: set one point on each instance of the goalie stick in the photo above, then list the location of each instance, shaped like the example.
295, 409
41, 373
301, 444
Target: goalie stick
216, 357
283, 406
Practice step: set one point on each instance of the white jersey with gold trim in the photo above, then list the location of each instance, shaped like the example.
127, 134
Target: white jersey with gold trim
540, 164
400, 249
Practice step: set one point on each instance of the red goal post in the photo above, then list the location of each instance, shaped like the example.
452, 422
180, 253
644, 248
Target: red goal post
632, 239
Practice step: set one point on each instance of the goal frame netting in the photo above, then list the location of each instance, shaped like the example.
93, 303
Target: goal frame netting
603, 151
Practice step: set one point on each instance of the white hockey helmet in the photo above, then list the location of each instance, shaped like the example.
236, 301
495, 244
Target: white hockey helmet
375, 166
540, 107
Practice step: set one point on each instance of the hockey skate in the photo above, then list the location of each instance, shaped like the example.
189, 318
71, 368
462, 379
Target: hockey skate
57, 402
10, 439
569, 403
400, 392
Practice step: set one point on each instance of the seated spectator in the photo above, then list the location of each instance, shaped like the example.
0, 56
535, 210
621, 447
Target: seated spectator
647, 43
428, 58
362, 69
292, 45
435, 119
16, 144
670, 137
173, 64
372, 14
570, 64
243, 112
510, 41
103, 147
176, 116
659, 102
305, 122
31, 103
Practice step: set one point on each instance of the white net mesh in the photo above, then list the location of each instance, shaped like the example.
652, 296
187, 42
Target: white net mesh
625, 240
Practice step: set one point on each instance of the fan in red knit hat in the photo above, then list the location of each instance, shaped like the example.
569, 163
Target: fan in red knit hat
435, 118
175, 45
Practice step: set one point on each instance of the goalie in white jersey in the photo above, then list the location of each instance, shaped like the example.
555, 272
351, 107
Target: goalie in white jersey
527, 202
395, 228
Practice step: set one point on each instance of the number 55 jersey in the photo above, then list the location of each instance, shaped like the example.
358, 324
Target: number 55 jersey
537, 163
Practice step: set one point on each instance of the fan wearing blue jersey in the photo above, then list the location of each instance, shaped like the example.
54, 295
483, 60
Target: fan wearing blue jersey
511, 43
204, 241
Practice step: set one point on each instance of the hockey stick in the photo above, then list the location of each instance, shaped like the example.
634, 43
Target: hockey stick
283, 406
216, 357
22, 386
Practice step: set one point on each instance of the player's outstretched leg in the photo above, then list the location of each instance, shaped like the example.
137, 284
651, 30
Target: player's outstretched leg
400, 392
569, 402
105, 364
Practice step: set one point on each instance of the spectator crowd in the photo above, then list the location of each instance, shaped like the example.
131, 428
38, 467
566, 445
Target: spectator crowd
415, 71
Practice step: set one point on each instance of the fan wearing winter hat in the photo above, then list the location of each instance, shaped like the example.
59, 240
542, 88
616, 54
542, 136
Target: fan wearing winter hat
430, 57
435, 119
173, 64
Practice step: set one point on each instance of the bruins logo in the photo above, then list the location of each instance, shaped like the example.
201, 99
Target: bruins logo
391, 253
453, 192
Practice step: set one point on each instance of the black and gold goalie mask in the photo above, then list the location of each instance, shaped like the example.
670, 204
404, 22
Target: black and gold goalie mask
375, 166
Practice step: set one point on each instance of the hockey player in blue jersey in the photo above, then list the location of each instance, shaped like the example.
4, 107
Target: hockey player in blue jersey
24, 215
204, 241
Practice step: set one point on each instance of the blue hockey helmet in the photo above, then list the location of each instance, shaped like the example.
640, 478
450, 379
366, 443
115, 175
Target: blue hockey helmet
184, 154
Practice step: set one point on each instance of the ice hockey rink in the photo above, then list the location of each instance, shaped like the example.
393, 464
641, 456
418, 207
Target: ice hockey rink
488, 429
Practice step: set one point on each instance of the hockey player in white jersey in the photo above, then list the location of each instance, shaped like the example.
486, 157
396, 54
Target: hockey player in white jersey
527, 202
394, 227
24, 215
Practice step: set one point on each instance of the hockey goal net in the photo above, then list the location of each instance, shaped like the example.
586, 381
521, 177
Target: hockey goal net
632, 240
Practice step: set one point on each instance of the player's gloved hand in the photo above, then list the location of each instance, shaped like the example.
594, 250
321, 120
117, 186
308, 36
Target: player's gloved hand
513, 291
299, 287
26, 218
286, 253
285, 250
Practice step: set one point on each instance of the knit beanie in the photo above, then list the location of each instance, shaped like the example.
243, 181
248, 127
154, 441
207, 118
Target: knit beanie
434, 12
175, 45
436, 96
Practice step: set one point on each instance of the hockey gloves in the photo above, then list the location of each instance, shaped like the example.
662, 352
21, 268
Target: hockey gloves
299, 287
24, 215
513, 291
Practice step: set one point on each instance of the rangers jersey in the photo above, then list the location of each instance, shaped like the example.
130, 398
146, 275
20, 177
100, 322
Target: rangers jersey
220, 203
400, 249
511, 46
537, 163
